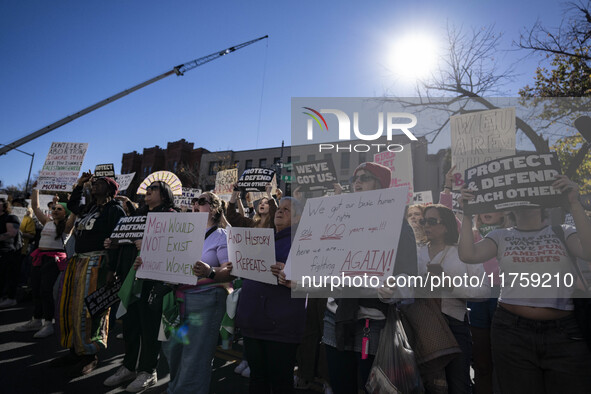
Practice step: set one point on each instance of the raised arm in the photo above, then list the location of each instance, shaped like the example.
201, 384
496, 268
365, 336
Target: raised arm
41, 216
582, 222
468, 251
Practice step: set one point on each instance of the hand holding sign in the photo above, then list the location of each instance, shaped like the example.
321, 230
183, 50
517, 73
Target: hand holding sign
567, 186
201, 269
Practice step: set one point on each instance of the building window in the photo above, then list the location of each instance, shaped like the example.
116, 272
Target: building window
362, 157
311, 158
345, 158
276, 160
247, 164
236, 163
214, 167
262, 163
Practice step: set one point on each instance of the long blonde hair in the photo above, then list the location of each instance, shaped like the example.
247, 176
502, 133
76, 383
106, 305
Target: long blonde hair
217, 208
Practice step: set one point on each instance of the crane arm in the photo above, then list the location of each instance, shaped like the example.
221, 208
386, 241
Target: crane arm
178, 70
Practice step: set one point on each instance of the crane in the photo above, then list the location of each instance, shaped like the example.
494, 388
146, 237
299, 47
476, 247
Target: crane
178, 71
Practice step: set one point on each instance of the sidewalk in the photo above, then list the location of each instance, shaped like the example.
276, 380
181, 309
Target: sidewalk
24, 359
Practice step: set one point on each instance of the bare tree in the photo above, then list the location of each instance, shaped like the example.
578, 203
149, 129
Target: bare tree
469, 70
571, 38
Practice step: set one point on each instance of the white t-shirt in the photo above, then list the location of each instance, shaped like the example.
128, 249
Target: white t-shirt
48, 234
453, 303
537, 257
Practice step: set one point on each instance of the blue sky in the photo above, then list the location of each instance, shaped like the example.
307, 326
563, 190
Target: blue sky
58, 57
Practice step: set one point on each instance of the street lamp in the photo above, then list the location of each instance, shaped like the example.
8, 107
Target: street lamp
30, 167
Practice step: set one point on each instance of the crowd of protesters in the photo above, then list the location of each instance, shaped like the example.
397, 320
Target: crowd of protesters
514, 343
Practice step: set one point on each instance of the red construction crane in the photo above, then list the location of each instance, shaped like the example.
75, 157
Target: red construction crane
178, 70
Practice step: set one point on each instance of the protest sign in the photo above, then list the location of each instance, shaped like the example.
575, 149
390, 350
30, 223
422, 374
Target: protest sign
107, 170
512, 182
400, 163
315, 175
102, 299
353, 234
184, 200
62, 166
455, 203
481, 136
124, 180
225, 180
171, 245
252, 253
19, 212
423, 197
255, 179
128, 229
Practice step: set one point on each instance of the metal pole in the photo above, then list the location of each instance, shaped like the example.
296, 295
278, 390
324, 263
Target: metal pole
29, 176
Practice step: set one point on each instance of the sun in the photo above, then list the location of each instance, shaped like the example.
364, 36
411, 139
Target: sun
413, 56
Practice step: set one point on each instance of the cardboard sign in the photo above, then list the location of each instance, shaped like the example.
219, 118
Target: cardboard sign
255, 179
400, 163
225, 180
423, 197
252, 253
19, 212
512, 182
124, 180
184, 200
107, 170
479, 137
102, 299
62, 166
315, 175
349, 234
129, 229
172, 243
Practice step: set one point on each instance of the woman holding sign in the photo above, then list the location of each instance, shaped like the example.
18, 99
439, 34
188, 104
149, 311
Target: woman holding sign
272, 322
263, 217
141, 322
191, 350
537, 344
89, 269
47, 260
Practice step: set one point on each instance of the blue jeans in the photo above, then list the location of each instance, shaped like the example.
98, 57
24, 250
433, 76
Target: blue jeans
190, 359
533, 356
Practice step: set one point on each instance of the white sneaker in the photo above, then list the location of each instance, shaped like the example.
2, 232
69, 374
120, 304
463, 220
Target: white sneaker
7, 303
45, 331
119, 336
241, 367
122, 375
31, 325
142, 382
327, 389
246, 372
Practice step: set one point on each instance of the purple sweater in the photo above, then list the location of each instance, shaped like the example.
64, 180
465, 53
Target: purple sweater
267, 311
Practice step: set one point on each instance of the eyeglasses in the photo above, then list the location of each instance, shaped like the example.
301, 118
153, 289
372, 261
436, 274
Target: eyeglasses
430, 222
362, 178
203, 201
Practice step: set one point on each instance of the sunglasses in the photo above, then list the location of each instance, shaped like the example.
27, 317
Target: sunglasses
362, 178
430, 222
203, 201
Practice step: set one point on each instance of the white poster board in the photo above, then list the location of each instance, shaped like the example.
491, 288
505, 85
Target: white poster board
19, 212
225, 180
124, 180
252, 253
425, 197
479, 137
184, 200
172, 243
349, 234
62, 166
400, 163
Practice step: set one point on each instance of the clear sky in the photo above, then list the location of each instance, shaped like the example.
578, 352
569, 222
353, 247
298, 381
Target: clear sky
58, 57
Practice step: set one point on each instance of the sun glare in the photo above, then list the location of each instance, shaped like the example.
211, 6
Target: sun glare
413, 56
